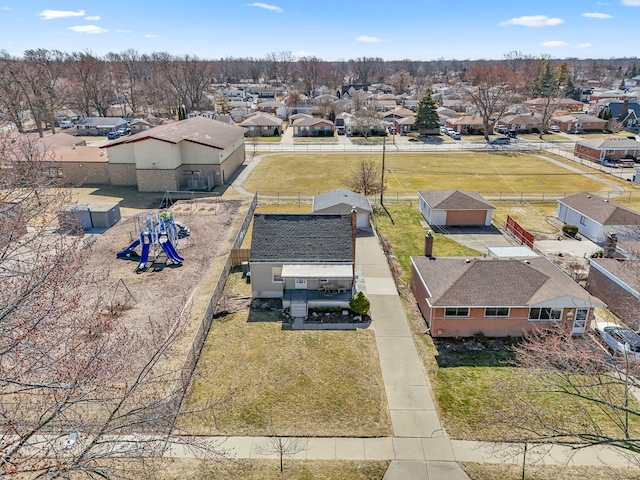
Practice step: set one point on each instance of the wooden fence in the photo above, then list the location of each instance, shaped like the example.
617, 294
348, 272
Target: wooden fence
520, 234
240, 255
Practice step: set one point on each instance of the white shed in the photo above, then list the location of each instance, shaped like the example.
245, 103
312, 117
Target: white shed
342, 201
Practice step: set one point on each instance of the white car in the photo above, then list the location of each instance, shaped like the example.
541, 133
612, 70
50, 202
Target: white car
554, 128
619, 339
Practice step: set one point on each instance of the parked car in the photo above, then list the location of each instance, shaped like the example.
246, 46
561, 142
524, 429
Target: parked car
619, 339
123, 131
500, 141
554, 128
66, 124
501, 129
112, 135
455, 135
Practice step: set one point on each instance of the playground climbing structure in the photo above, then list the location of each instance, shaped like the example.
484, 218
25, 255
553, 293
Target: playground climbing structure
157, 233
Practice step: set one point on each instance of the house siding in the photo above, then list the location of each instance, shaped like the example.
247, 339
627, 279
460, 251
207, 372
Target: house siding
620, 301
586, 227
262, 285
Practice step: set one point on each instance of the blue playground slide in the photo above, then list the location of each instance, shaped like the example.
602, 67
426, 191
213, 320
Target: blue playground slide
128, 250
168, 248
144, 257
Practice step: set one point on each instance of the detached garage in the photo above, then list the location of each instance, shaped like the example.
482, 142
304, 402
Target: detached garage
455, 208
343, 201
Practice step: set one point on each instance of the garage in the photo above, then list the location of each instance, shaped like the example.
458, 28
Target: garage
466, 217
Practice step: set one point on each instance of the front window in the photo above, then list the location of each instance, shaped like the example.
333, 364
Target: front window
276, 273
456, 312
583, 220
545, 314
496, 312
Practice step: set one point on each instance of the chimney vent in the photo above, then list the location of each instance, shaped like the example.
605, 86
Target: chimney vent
428, 245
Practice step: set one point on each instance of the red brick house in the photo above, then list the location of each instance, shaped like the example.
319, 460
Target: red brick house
497, 296
579, 122
610, 148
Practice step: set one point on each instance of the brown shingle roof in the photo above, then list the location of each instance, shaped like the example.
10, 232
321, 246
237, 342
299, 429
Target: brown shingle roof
455, 200
495, 282
200, 130
600, 210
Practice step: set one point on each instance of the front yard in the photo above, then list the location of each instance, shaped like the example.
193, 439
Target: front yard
304, 383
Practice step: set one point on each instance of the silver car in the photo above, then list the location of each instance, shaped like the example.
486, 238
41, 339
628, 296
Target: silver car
619, 339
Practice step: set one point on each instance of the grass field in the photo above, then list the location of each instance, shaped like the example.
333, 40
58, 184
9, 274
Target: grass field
531, 216
405, 174
486, 471
308, 383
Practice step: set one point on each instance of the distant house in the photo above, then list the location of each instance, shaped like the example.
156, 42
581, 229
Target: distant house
271, 106
192, 154
521, 122
349, 89
497, 297
578, 122
138, 126
467, 124
262, 125
305, 260
608, 148
344, 201
454, 208
626, 112
99, 125
405, 125
313, 127
559, 103
595, 217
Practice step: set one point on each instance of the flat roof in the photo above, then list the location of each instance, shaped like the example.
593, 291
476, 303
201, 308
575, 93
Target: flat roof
310, 270
511, 251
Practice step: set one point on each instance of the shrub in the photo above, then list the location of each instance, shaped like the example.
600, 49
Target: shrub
570, 230
360, 304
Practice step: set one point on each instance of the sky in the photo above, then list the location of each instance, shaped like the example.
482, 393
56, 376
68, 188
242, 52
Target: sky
328, 29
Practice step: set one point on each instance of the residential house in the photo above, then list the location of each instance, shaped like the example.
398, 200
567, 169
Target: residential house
521, 122
497, 296
467, 124
411, 104
140, 125
608, 148
305, 260
344, 202
192, 154
454, 208
445, 114
627, 113
578, 122
313, 127
99, 125
364, 126
262, 125
212, 115
595, 217
558, 103
271, 106
405, 125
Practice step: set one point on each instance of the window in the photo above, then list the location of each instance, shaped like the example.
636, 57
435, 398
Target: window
583, 220
544, 314
276, 273
496, 312
456, 312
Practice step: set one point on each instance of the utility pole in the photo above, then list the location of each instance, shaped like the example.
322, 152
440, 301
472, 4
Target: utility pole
384, 142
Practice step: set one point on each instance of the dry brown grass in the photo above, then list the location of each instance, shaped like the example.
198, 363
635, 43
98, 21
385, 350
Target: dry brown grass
309, 383
531, 216
492, 471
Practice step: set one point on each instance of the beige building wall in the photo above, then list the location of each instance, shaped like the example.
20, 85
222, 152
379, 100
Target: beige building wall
80, 173
121, 153
230, 164
157, 180
196, 154
155, 154
122, 173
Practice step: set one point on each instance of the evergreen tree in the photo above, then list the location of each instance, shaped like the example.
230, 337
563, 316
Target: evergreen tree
427, 117
547, 84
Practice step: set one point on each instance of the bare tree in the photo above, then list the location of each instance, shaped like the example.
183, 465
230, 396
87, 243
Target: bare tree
491, 91
365, 68
278, 66
94, 88
365, 178
309, 71
400, 82
281, 445
79, 389
595, 388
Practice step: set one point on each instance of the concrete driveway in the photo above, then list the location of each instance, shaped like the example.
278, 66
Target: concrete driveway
478, 238
567, 246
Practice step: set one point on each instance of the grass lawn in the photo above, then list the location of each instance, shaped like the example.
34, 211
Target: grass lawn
492, 471
406, 234
308, 383
315, 140
488, 173
531, 216
270, 469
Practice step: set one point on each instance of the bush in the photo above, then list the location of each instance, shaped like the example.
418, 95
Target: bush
360, 304
570, 230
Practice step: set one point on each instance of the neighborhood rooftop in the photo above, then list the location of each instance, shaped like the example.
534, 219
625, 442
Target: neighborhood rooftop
302, 238
601, 210
455, 200
341, 196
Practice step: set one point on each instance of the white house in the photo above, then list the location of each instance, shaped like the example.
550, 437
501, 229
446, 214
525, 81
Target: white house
343, 201
455, 208
595, 217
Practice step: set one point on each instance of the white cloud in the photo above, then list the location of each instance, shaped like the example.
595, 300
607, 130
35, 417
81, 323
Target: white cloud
123, 31
631, 3
302, 53
533, 21
90, 29
584, 45
600, 16
92, 18
150, 35
54, 14
555, 43
368, 39
8, 9
266, 6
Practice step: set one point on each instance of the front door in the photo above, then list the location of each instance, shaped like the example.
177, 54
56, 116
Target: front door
580, 322
301, 283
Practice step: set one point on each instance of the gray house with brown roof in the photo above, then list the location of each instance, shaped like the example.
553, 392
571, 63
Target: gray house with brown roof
306, 260
193, 154
455, 208
596, 216
461, 297
343, 202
